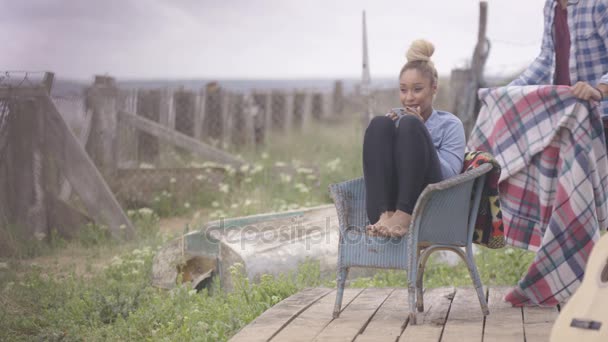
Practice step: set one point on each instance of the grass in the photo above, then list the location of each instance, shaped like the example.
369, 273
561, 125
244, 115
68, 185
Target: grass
94, 289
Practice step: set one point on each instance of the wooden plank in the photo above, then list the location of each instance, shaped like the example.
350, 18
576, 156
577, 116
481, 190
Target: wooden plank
312, 321
24, 92
538, 322
388, 323
465, 320
273, 320
178, 139
80, 171
65, 187
430, 322
505, 323
355, 317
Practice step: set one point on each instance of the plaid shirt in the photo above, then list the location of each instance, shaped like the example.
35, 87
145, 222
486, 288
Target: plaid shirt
588, 25
551, 150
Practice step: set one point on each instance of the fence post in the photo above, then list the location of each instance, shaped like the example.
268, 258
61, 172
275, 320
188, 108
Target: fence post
289, 107
213, 120
299, 103
199, 114
101, 146
127, 136
259, 119
148, 106
338, 99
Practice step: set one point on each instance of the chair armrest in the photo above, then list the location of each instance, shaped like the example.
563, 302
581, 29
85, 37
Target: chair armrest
349, 199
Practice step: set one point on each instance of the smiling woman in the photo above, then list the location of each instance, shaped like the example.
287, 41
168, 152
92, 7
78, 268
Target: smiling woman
423, 146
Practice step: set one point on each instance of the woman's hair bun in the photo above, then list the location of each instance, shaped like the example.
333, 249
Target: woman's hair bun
420, 50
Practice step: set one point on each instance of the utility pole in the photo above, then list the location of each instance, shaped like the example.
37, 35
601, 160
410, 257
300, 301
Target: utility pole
367, 113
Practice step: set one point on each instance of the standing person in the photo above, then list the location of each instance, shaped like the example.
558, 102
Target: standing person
404, 152
574, 49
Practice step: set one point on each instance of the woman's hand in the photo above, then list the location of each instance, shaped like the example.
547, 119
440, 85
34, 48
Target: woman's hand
396, 113
414, 111
584, 91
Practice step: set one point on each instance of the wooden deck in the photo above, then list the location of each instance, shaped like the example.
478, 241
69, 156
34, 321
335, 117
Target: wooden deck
375, 314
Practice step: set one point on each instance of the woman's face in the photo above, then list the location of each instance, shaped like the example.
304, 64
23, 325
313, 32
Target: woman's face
416, 90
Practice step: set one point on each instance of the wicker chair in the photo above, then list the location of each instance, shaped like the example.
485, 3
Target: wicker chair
443, 219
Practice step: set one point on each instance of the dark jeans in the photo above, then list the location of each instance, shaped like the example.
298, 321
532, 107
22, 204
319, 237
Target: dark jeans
398, 163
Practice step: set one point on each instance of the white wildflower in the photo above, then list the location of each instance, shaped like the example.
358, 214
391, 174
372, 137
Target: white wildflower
225, 188
200, 177
333, 165
280, 164
172, 180
247, 180
304, 170
285, 178
215, 204
187, 205
257, 167
302, 188
265, 155
245, 168
146, 211
146, 166
247, 202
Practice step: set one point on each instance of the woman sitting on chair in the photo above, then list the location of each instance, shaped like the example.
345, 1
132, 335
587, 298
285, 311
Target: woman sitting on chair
409, 148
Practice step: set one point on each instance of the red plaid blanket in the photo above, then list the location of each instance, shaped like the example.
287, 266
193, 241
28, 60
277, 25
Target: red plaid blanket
551, 149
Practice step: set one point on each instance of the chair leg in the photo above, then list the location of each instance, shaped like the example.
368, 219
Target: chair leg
342, 274
412, 299
477, 281
411, 283
423, 257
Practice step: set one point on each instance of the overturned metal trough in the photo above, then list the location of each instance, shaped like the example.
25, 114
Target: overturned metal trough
273, 243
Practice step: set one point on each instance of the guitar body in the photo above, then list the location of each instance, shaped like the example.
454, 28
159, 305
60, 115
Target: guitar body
585, 316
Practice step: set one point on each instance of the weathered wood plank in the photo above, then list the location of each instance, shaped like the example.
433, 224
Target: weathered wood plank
312, 321
388, 323
430, 322
465, 320
178, 139
83, 136
538, 322
272, 321
80, 171
101, 145
505, 323
23, 91
355, 316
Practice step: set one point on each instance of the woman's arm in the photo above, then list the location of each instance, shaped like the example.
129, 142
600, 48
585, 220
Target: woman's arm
451, 151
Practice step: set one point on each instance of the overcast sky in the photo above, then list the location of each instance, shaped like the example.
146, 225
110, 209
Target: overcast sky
256, 38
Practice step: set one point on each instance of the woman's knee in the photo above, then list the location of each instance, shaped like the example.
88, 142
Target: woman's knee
408, 123
381, 123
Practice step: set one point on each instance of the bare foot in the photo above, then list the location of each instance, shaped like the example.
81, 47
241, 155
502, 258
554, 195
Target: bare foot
396, 226
371, 229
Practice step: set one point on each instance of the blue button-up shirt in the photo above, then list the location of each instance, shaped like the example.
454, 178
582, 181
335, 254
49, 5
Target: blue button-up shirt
588, 26
448, 137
